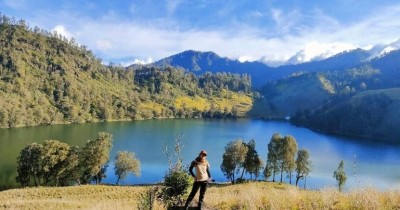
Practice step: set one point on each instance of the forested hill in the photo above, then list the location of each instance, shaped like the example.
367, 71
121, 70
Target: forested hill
47, 79
370, 114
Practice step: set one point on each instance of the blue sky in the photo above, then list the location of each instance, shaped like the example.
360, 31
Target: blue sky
272, 31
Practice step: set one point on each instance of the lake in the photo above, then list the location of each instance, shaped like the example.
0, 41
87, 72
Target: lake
366, 163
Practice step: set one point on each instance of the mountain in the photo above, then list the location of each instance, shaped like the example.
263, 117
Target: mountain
339, 62
382, 49
48, 79
200, 62
389, 65
358, 102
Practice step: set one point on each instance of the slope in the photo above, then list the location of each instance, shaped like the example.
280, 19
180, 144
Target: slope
48, 79
372, 114
286, 96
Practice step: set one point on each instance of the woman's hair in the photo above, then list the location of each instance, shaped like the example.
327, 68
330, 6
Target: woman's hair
203, 152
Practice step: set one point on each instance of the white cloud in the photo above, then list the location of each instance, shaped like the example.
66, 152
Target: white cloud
315, 50
60, 29
387, 50
143, 62
322, 37
244, 58
104, 45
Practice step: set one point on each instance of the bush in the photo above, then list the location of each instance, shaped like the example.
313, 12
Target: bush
176, 180
147, 199
176, 185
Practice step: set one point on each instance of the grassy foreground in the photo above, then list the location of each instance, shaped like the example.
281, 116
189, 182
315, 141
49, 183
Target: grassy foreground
259, 195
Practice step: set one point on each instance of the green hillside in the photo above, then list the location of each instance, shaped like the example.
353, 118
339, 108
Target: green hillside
48, 79
299, 92
371, 114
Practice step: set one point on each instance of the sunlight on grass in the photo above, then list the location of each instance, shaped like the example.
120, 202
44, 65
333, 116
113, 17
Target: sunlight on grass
228, 101
196, 103
253, 195
152, 106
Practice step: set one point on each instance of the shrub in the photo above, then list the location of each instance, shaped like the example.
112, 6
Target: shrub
176, 185
176, 180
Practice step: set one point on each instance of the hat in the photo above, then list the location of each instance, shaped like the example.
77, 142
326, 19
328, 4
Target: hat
203, 152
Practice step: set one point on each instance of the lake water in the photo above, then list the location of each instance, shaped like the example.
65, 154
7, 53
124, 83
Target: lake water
366, 163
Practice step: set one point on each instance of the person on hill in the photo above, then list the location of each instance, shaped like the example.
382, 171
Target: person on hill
201, 178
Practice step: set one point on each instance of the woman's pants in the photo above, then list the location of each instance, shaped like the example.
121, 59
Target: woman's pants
196, 185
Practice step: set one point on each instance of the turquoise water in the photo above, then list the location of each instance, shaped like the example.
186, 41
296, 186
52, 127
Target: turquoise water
366, 163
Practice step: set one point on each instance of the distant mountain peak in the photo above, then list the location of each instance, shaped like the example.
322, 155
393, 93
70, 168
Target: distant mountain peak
193, 60
381, 50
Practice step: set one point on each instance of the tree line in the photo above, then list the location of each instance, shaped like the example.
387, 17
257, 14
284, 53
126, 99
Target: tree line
54, 163
283, 157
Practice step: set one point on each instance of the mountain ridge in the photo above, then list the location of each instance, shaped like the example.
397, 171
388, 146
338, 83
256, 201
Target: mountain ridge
200, 62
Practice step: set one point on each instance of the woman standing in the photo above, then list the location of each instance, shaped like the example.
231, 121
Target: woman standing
201, 178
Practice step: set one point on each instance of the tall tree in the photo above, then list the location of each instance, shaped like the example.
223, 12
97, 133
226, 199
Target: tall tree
72, 172
268, 170
126, 162
274, 156
51, 163
95, 156
303, 165
252, 163
288, 156
233, 158
28, 164
340, 175
54, 160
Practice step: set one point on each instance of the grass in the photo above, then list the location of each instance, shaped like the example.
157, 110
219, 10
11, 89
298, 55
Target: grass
152, 107
196, 103
227, 101
253, 195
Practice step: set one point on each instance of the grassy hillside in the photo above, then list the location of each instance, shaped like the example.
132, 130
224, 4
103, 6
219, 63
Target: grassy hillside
48, 79
259, 195
371, 114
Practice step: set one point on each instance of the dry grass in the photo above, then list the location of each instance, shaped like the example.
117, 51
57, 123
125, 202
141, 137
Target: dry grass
227, 101
75, 197
259, 195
